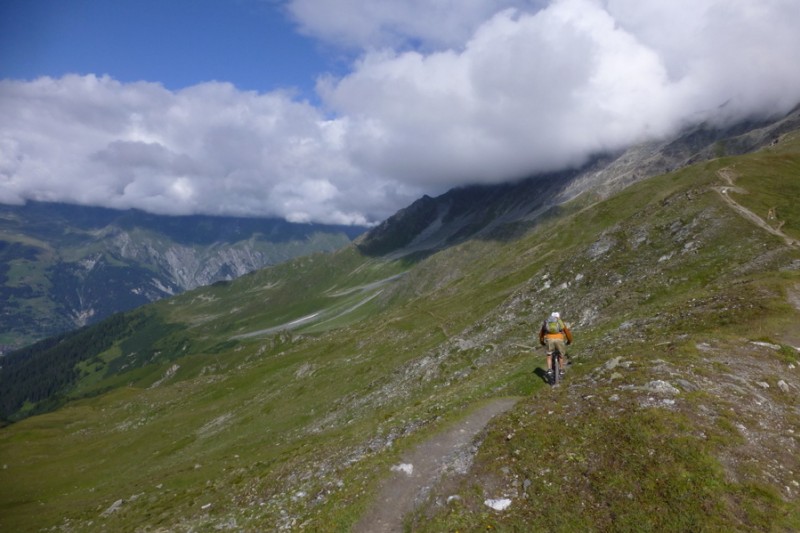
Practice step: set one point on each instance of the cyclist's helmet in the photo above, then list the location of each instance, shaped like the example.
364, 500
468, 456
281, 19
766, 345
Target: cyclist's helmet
555, 314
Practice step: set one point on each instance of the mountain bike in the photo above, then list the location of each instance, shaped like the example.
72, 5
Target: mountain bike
558, 364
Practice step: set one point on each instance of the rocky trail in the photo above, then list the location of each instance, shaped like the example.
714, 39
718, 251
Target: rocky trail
449, 452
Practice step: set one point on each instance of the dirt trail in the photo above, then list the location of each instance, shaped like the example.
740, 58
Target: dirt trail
423, 466
729, 175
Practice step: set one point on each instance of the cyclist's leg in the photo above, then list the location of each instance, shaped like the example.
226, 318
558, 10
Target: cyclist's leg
561, 346
551, 347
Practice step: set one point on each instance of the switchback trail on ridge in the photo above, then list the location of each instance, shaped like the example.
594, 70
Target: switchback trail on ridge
422, 467
728, 175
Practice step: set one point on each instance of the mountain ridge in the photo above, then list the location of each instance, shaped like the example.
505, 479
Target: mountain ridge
68, 266
429, 224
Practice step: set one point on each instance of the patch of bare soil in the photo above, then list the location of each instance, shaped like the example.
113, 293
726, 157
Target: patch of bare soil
420, 469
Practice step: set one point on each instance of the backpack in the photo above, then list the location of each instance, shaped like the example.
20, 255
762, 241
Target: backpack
554, 325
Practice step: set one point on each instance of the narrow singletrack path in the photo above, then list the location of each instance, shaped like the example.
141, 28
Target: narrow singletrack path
422, 467
728, 175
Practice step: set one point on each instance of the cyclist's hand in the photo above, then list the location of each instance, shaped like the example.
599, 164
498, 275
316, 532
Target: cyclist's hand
568, 343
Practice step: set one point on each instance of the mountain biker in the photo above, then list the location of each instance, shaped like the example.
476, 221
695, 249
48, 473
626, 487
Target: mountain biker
554, 335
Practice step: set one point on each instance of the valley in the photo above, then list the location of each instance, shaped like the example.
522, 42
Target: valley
63, 267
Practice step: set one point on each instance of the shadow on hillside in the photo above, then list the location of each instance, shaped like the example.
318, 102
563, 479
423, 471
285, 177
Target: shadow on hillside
503, 212
542, 373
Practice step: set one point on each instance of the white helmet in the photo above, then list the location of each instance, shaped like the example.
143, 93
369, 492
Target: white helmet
555, 314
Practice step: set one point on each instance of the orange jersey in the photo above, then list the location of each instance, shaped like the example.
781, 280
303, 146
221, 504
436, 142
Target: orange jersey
566, 334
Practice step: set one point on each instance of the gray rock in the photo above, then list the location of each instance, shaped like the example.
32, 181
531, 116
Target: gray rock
661, 387
113, 508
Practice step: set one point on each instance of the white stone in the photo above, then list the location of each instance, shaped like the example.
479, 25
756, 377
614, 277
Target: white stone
767, 345
662, 387
406, 468
500, 504
113, 508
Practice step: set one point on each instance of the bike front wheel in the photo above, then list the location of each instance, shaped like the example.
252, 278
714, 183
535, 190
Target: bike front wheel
556, 368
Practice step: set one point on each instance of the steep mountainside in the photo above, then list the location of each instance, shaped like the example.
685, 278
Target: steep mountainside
66, 266
290, 398
505, 210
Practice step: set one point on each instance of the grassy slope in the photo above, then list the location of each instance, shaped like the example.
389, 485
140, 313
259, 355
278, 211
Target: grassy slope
610, 452
292, 428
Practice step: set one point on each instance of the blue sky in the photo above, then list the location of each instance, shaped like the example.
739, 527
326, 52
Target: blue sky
250, 43
344, 111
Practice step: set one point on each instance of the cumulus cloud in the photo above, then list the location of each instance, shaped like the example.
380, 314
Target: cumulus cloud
441, 94
209, 148
544, 90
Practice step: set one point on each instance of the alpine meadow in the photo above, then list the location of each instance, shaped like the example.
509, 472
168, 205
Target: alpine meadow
299, 397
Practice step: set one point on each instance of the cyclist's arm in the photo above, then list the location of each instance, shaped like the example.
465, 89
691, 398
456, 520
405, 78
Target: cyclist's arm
568, 333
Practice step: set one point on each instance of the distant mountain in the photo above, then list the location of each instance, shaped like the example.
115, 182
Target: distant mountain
65, 266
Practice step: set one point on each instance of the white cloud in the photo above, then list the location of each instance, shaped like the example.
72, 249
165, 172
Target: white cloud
398, 23
209, 148
543, 90
442, 94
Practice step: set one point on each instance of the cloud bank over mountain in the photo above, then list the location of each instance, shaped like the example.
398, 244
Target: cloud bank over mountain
439, 94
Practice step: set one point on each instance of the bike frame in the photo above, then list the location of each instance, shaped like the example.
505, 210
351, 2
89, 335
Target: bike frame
556, 361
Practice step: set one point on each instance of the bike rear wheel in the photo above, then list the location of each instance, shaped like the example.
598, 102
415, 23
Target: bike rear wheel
556, 368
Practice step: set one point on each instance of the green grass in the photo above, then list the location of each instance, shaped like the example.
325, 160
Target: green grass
590, 472
773, 193
684, 488
647, 276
